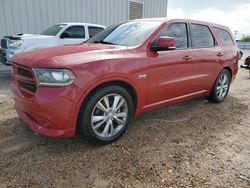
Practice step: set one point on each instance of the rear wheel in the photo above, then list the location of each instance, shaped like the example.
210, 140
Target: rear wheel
106, 115
221, 87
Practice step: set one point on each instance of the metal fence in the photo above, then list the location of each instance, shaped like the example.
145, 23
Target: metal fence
244, 45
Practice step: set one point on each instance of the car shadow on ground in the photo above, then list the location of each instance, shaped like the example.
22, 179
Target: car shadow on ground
177, 123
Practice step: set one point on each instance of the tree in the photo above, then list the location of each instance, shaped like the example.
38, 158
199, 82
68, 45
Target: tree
245, 39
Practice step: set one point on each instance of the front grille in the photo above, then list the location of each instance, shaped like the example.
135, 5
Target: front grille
28, 86
25, 79
24, 72
4, 43
2, 56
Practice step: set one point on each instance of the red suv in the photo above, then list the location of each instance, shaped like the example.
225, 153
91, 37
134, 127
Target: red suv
97, 87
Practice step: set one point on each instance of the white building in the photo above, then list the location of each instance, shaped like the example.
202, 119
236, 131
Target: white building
33, 16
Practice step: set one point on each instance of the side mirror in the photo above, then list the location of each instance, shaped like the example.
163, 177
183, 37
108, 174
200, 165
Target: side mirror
65, 35
164, 44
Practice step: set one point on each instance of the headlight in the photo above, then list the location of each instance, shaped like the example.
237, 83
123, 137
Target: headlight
15, 43
54, 77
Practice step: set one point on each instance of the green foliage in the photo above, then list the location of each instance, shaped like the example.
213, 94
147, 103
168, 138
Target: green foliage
245, 39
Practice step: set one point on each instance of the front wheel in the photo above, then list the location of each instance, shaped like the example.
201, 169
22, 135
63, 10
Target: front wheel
106, 114
221, 87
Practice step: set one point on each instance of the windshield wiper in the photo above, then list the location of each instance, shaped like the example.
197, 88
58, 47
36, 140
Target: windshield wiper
104, 42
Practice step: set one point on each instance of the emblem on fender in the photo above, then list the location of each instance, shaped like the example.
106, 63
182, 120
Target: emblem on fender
142, 76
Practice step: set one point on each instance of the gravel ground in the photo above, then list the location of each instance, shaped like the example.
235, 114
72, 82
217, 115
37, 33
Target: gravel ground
193, 144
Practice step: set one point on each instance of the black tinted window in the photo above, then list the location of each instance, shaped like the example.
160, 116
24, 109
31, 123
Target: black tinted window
94, 30
201, 36
76, 32
224, 37
179, 32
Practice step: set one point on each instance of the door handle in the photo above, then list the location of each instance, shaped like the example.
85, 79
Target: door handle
187, 57
219, 54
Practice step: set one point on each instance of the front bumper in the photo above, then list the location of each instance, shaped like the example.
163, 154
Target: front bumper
51, 111
245, 67
7, 54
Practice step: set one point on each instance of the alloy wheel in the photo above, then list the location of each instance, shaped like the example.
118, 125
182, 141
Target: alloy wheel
109, 115
222, 86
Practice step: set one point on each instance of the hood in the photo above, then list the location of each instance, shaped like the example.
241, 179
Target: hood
67, 56
27, 36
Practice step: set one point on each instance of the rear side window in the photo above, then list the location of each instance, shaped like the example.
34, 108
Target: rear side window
76, 32
224, 37
201, 36
179, 32
94, 30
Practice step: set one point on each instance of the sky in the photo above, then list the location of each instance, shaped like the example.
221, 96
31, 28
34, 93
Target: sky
232, 13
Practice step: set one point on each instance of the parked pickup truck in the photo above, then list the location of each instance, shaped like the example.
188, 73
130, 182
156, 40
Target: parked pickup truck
56, 35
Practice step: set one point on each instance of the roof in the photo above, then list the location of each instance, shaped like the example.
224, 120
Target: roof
200, 22
184, 20
152, 19
80, 23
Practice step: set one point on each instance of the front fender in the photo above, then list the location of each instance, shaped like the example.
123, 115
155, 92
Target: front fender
92, 85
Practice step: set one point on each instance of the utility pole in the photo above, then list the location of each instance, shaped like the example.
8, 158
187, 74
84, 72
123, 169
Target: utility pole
235, 34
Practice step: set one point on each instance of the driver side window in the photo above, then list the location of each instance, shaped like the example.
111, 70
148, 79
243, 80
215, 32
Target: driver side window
179, 32
75, 32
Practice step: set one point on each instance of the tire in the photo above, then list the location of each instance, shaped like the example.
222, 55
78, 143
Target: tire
221, 87
102, 124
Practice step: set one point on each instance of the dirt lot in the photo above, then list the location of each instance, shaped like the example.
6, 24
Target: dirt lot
193, 144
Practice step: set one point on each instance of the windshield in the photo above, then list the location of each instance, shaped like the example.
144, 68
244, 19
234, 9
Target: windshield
53, 30
126, 34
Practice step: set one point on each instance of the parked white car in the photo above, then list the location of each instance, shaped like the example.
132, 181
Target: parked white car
56, 35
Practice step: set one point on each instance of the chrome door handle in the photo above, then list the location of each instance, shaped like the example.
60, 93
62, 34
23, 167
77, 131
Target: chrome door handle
187, 57
219, 54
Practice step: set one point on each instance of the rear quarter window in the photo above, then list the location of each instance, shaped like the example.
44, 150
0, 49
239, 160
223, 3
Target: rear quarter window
224, 37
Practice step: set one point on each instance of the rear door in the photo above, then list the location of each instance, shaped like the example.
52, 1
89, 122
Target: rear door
170, 72
77, 35
229, 47
208, 56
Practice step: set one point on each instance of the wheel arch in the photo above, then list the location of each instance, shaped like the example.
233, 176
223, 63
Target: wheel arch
120, 82
228, 68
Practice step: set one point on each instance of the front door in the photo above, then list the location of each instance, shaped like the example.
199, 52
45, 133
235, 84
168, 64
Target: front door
171, 72
76, 35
